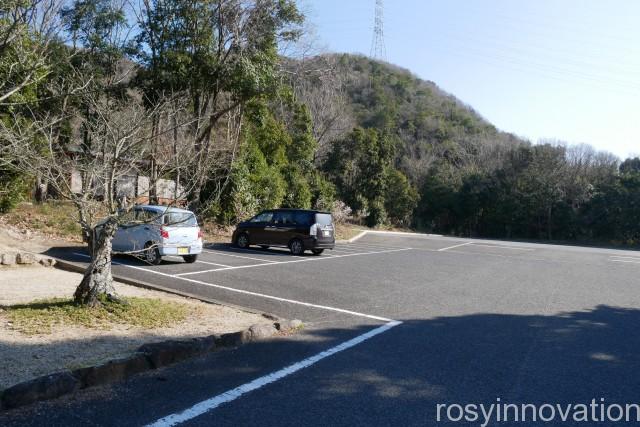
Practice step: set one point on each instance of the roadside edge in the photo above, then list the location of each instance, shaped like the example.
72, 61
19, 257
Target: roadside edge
147, 357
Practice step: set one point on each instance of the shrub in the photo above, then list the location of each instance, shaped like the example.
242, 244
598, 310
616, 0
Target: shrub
341, 212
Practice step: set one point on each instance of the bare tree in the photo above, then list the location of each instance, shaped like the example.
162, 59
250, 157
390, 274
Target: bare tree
87, 170
319, 84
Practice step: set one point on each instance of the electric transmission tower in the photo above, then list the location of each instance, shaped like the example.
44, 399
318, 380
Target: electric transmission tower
378, 49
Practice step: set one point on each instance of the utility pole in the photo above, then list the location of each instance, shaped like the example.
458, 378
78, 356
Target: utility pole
378, 49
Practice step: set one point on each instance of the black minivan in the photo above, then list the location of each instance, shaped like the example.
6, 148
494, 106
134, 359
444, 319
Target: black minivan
296, 229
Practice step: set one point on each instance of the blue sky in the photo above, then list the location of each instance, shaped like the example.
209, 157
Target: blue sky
565, 69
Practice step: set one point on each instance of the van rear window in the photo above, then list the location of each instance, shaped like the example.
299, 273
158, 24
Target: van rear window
323, 219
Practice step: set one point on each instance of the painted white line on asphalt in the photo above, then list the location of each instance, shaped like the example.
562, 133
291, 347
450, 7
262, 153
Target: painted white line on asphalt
228, 396
240, 267
370, 245
625, 260
515, 248
369, 248
212, 263
397, 233
236, 256
255, 294
198, 261
348, 250
454, 246
251, 251
116, 262
635, 258
191, 273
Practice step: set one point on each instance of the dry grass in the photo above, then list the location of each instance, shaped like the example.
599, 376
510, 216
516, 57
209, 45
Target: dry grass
216, 233
56, 219
347, 231
41, 316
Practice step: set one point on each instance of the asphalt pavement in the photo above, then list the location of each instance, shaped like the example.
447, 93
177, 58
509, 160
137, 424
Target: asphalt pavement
396, 328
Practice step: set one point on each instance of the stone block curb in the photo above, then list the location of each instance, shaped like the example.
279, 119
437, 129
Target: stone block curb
148, 357
169, 352
112, 371
14, 258
41, 388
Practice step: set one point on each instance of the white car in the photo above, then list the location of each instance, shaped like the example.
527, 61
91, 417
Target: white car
156, 231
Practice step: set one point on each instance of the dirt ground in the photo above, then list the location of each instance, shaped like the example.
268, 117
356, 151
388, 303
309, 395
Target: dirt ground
23, 357
12, 239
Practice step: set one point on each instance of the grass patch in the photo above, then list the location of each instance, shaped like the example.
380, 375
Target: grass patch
54, 218
39, 317
216, 233
347, 231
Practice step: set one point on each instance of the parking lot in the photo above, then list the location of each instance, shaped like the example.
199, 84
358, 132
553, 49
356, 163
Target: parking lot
395, 325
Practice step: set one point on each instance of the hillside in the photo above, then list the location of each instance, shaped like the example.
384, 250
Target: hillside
422, 158
428, 125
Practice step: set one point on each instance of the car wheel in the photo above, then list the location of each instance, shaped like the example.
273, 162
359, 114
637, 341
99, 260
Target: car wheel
264, 246
242, 241
190, 259
317, 251
152, 254
296, 247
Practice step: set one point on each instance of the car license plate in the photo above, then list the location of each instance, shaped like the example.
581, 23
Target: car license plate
183, 251
327, 233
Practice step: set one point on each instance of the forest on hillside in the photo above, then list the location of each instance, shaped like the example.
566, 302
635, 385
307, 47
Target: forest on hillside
215, 103
447, 170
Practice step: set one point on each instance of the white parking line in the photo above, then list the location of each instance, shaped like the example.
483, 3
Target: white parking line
190, 273
236, 256
198, 261
228, 396
634, 258
242, 291
369, 245
214, 402
212, 263
239, 267
454, 246
515, 248
349, 250
625, 260
251, 251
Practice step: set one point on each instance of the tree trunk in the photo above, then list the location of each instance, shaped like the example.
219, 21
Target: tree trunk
175, 155
41, 189
153, 175
97, 278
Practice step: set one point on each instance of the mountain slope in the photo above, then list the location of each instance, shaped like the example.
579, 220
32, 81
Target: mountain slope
428, 125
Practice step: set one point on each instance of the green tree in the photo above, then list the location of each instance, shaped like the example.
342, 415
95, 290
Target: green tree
400, 198
221, 55
358, 166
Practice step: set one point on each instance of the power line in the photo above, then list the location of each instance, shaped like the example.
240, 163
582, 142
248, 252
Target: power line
378, 48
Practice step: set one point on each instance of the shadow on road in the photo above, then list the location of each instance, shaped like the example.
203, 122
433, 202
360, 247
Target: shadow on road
395, 378
257, 250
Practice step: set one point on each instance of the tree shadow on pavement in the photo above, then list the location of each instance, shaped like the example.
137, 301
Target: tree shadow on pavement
395, 378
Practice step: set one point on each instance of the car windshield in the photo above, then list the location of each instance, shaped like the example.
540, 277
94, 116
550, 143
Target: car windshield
323, 219
180, 219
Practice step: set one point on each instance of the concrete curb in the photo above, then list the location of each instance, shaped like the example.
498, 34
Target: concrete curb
148, 357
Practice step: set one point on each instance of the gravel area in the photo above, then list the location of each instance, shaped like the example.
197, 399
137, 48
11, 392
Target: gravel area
24, 357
